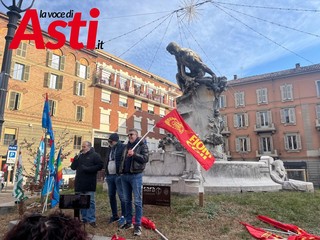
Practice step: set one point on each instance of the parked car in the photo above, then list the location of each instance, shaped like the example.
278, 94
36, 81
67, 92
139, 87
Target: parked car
67, 174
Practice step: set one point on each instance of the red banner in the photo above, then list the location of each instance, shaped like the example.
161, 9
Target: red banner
175, 124
260, 233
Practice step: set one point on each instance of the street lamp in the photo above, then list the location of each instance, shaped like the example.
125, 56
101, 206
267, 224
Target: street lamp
14, 15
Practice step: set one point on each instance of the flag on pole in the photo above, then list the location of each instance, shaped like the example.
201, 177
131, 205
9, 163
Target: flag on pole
57, 181
48, 185
18, 192
175, 124
46, 118
38, 161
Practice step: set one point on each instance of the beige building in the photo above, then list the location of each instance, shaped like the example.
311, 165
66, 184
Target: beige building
276, 114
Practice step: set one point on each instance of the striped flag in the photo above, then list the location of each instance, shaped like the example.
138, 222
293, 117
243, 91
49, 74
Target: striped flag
38, 161
18, 192
57, 181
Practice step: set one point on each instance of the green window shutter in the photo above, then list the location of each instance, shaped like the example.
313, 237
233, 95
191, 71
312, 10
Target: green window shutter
46, 79
62, 61
49, 59
60, 81
83, 89
26, 73
77, 69
88, 72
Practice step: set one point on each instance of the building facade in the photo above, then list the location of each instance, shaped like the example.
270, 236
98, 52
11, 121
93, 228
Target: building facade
275, 114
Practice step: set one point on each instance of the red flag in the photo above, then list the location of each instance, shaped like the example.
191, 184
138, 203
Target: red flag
116, 237
175, 124
260, 233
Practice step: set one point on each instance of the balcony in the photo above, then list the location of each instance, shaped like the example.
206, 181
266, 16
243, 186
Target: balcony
273, 153
263, 129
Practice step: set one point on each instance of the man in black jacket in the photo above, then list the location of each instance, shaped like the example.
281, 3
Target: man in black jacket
133, 162
87, 163
113, 178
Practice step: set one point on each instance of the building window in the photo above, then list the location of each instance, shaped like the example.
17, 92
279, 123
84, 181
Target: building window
105, 119
239, 99
123, 83
105, 76
262, 96
79, 88
171, 101
318, 88
150, 125
292, 141
263, 119
122, 123
105, 96
9, 136
265, 144
14, 101
288, 116
22, 49
137, 105
241, 120
137, 88
20, 71
79, 113
162, 112
53, 106
137, 124
53, 81
77, 141
222, 101
151, 108
82, 70
286, 92
243, 144
123, 101
55, 61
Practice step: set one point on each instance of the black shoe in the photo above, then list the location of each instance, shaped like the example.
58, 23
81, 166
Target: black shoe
93, 224
113, 219
137, 231
127, 226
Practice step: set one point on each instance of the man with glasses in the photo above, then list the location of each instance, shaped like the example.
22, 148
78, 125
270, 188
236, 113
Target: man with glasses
113, 178
87, 164
133, 162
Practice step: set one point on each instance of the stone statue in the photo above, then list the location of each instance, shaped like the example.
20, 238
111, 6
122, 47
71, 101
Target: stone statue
188, 59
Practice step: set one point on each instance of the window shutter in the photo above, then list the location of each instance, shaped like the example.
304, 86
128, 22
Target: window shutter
258, 121
77, 69
248, 144
12, 100
46, 79
282, 88
62, 62
24, 49
246, 119
49, 59
60, 81
286, 144
269, 118
26, 73
75, 88
318, 111
299, 142
237, 145
83, 89
282, 116
235, 122
292, 113
265, 95
258, 92
88, 72
289, 92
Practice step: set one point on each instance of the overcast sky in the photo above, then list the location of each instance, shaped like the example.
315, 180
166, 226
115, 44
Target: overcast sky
242, 37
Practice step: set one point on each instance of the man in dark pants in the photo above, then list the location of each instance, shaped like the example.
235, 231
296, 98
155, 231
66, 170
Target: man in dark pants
87, 163
113, 178
133, 162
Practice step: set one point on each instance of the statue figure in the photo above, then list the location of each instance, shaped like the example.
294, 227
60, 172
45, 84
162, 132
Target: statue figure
186, 58
170, 139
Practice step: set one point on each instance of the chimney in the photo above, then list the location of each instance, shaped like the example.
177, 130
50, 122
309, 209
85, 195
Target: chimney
235, 77
297, 65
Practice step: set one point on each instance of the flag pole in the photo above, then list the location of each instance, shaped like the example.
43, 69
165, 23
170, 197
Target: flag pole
143, 137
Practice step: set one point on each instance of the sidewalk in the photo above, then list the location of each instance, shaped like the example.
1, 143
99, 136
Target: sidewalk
7, 205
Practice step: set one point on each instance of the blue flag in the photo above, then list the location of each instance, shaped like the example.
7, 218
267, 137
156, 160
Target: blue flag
48, 185
46, 118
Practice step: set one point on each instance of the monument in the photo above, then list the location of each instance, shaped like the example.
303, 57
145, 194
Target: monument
199, 108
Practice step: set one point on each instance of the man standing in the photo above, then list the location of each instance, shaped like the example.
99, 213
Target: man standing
113, 178
133, 162
87, 163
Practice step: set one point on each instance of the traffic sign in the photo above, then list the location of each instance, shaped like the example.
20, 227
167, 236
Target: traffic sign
11, 156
